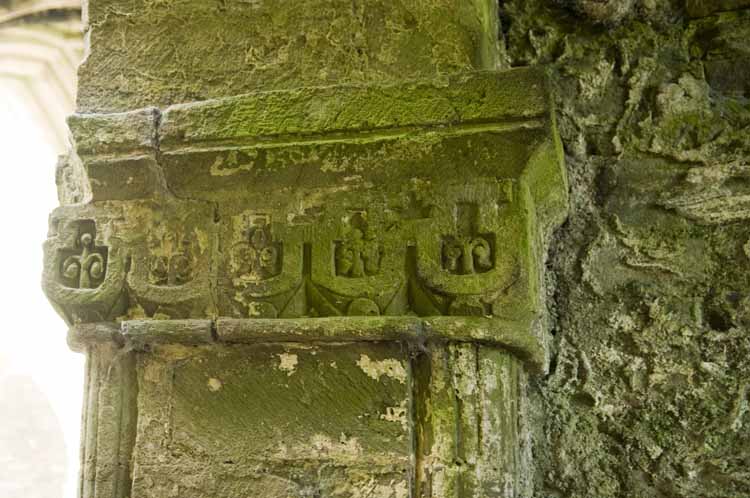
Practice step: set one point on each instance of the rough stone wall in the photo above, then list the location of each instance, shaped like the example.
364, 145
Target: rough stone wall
647, 395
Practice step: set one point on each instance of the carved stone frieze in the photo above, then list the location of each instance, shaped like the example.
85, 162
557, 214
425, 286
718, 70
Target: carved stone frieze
98, 267
475, 256
263, 271
437, 221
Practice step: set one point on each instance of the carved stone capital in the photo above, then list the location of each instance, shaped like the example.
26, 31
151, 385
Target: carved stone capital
438, 207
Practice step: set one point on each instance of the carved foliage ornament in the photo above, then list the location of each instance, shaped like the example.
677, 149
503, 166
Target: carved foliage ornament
378, 261
84, 274
354, 262
84, 266
258, 256
359, 254
467, 252
172, 260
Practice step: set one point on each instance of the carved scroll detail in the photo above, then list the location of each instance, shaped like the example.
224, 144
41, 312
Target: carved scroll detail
83, 279
85, 265
172, 261
467, 252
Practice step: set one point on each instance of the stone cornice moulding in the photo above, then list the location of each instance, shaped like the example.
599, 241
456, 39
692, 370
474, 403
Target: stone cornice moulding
295, 215
143, 334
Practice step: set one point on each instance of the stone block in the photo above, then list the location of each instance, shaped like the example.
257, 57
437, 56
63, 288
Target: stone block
118, 153
99, 266
285, 420
234, 47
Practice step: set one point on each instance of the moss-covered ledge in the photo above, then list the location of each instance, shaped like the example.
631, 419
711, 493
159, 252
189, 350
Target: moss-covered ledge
510, 335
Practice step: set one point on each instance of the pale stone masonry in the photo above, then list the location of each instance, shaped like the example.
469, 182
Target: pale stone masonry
302, 247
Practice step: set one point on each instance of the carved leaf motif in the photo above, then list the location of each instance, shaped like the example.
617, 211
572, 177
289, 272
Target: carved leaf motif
482, 254
180, 268
71, 268
84, 267
467, 255
96, 266
159, 270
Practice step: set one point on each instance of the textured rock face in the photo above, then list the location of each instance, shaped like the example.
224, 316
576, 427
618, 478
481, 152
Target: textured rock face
648, 392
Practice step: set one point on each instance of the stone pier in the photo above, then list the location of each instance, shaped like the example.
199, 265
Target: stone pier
302, 246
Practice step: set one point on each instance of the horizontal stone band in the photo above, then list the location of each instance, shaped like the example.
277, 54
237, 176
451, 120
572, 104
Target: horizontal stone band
512, 335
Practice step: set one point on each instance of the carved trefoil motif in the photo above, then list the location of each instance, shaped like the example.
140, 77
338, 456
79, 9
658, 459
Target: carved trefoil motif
360, 253
258, 256
467, 252
172, 258
84, 266
84, 269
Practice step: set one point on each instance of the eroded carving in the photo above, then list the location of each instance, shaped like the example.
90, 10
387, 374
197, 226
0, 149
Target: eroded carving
84, 270
171, 263
360, 253
363, 307
84, 266
259, 256
262, 309
172, 259
467, 252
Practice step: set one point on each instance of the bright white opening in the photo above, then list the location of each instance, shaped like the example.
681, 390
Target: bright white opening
33, 336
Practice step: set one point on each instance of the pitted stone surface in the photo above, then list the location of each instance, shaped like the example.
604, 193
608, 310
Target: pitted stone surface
206, 50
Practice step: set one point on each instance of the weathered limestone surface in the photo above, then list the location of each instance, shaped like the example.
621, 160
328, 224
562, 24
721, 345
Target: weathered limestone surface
273, 419
648, 392
156, 53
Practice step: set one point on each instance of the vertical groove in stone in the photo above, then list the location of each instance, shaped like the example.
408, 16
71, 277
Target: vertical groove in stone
499, 466
91, 417
464, 376
420, 385
525, 464
466, 422
412, 411
129, 417
86, 427
109, 422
